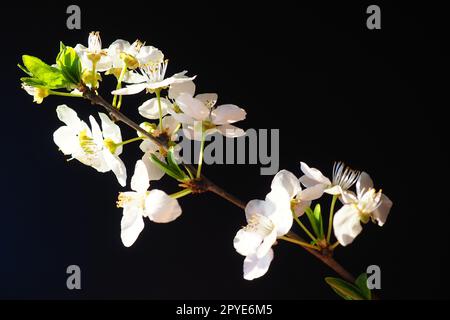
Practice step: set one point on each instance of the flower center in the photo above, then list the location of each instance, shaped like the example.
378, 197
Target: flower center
260, 224
87, 143
344, 176
130, 198
156, 71
111, 145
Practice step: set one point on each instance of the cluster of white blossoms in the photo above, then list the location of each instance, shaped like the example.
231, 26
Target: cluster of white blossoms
144, 68
273, 217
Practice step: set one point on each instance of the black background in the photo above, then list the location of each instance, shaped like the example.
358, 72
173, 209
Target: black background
337, 91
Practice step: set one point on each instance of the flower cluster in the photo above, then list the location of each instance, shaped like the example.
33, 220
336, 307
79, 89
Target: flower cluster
173, 105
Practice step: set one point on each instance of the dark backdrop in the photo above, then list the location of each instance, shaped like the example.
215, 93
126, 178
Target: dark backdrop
337, 91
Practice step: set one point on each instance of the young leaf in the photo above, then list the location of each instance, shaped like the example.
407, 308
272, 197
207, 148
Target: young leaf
40, 72
345, 289
313, 222
166, 168
174, 165
361, 283
319, 221
69, 63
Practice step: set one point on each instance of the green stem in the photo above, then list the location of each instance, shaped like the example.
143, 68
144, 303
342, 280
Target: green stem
304, 227
65, 94
158, 96
330, 220
334, 245
119, 86
181, 194
300, 243
200, 157
130, 141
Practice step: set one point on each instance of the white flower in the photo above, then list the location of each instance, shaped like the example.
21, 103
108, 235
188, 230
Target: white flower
154, 74
139, 203
267, 219
299, 199
136, 54
343, 178
200, 113
365, 205
94, 53
39, 94
149, 147
95, 148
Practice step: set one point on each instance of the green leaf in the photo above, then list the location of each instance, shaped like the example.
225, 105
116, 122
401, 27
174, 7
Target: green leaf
345, 289
70, 64
319, 221
313, 222
361, 283
166, 168
40, 72
174, 165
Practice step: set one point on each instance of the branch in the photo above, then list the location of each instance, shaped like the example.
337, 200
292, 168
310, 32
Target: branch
205, 184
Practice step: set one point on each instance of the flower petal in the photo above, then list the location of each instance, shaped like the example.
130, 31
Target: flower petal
154, 172
260, 207
150, 108
255, 268
230, 131
208, 99
247, 242
346, 224
192, 107
111, 131
312, 193
364, 183
314, 174
300, 207
281, 215
68, 116
178, 88
131, 225
131, 89
381, 213
66, 139
287, 181
267, 244
140, 182
227, 113
117, 166
161, 208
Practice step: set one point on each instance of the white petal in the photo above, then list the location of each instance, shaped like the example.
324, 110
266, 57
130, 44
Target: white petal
182, 118
139, 181
131, 225
267, 244
364, 183
281, 216
348, 197
260, 207
148, 146
133, 77
153, 171
230, 131
104, 64
346, 224
117, 166
255, 268
312, 193
287, 181
96, 132
150, 108
334, 190
66, 139
208, 99
381, 213
192, 107
178, 88
246, 242
131, 89
149, 54
314, 174
161, 208
170, 124
110, 129
300, 207
68, 116
227, 113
